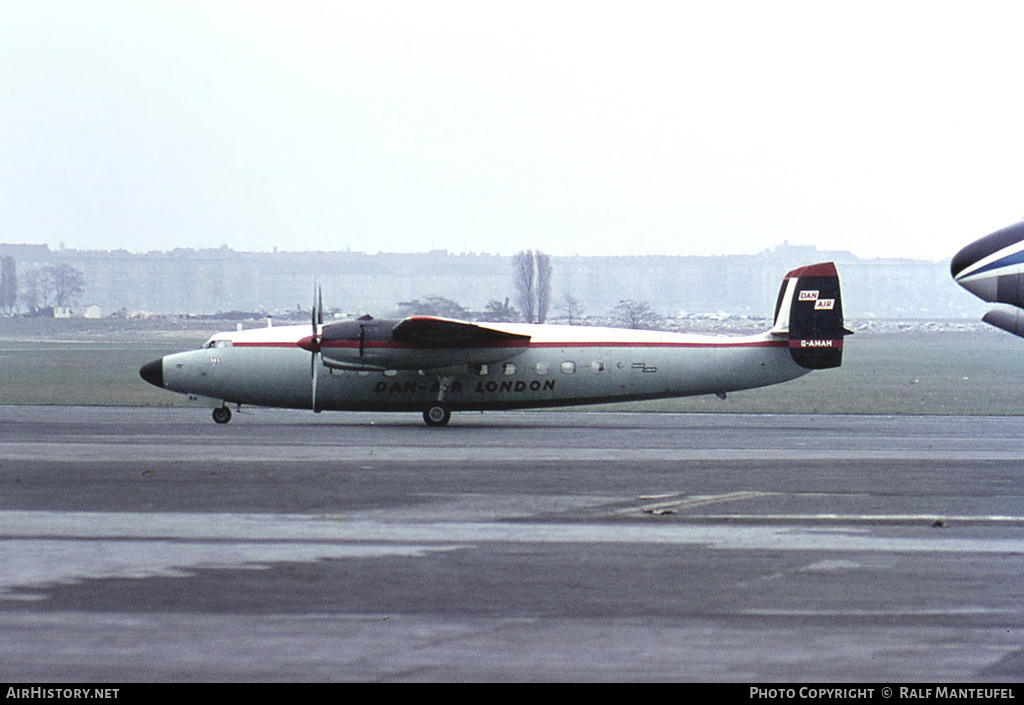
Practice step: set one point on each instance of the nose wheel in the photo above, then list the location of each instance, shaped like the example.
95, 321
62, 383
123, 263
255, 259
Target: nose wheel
222, 414
437, 415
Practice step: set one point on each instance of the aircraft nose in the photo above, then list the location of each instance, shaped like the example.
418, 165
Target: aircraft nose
962, 260
962, 266
153, 372
1006, 242
987, 267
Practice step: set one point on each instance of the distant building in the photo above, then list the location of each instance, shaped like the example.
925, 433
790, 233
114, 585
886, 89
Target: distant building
26, 254
199, 282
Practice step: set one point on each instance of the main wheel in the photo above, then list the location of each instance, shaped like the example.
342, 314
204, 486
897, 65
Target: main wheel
222, 414
437, 415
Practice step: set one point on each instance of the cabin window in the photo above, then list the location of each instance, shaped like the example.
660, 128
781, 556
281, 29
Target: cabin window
510, 368
597, 366
568, 367
390, 373
542, 368
482, 370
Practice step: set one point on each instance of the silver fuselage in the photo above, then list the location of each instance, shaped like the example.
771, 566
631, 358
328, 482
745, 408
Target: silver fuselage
563, 365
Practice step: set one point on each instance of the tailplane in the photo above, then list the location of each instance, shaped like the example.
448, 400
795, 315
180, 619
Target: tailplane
809, 312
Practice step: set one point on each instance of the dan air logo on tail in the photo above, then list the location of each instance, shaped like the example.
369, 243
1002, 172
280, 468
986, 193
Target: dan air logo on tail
819, 304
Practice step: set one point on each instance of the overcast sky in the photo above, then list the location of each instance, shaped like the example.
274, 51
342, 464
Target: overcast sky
887, 129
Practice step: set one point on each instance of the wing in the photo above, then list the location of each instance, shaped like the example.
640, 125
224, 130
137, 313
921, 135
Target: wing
417, 343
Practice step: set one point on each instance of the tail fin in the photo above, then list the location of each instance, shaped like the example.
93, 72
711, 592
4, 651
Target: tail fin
810, 312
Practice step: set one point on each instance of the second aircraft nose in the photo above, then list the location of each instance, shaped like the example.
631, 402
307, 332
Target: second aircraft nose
153, 372
990, 268
990, 252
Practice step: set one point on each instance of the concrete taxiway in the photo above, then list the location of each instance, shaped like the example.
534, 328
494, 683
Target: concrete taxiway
154, 545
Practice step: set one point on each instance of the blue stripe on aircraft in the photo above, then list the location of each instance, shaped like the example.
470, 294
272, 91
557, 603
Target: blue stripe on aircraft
1015, 258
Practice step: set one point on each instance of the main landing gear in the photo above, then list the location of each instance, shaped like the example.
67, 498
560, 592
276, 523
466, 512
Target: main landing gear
222, 414
437, 414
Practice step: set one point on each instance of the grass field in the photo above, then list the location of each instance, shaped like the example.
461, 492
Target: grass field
76, 362
891, 374
970, 373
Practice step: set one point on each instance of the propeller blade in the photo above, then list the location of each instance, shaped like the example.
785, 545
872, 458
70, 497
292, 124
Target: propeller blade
314, 374
317, 319
313, 315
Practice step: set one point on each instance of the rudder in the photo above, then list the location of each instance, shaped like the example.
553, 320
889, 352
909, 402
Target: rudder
810, 311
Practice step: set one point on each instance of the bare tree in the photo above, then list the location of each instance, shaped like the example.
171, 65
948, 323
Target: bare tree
636, 314
33, 290
8, 284
571, 308
523, 279
531, 273
543, 285
53, 285
68, 284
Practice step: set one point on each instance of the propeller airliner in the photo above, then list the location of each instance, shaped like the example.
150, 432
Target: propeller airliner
439, 365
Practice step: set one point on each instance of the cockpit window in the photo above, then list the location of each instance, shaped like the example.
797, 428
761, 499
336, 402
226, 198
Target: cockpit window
214, 343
